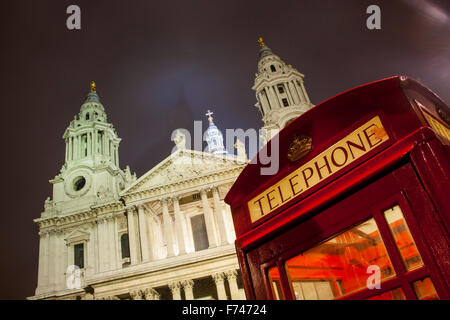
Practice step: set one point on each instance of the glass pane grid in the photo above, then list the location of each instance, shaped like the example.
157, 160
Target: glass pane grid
403, 238
350, 261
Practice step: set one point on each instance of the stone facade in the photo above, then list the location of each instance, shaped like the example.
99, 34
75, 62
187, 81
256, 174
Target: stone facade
104, 234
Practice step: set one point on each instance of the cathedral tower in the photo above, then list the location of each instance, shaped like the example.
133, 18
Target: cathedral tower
280, 92
91, 172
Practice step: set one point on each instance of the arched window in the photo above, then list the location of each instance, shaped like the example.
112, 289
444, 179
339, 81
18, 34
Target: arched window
281, 88
125, 245
272, 68
87, 116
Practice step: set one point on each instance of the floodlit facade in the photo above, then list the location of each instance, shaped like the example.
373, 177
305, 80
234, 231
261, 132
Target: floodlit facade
104, 234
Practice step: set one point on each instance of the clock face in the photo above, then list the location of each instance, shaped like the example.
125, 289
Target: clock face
77, 183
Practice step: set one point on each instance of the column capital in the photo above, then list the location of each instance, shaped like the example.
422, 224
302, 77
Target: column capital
204, 190
187, 284
218, 277
175, 286
130, 209
141, 206
136, 295
151, 294
231, 274
164, 201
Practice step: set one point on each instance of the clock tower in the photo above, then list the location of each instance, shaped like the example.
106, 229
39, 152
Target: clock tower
280, 93
91, 174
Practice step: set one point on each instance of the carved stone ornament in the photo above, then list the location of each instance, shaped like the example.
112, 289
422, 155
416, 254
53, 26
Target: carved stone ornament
299, 147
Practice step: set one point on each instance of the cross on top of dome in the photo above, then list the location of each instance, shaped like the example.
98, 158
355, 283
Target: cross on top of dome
209, 115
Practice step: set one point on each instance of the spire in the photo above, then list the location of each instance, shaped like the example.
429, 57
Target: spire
93, 96
90, 139
280, 92
265, 50
261, 42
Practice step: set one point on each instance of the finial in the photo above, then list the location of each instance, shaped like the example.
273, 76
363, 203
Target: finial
261, 42
93, 88
209, 114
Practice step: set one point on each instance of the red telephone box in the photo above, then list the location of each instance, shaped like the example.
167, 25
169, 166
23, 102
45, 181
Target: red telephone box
360, 205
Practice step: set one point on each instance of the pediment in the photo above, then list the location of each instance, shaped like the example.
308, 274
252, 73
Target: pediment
183, 165
77, 235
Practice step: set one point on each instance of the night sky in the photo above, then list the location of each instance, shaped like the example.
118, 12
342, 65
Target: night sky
159, 65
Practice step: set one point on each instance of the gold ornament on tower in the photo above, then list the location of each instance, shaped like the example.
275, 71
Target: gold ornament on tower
93, 88
261, 42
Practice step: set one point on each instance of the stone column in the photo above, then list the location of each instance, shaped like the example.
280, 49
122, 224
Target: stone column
277, 96
229, 218
209, 220
175, 288
43, 260
179, 226
69, 155
167, 219
143, 233
117, 155
188, 286
60, 261
132, 237
151, 294
294, 92
305, 93
117, 247
94, 142
96, 248
220, 217
102, 244
232, 281
106, 239
51, 259
220, 285
90, 263
88, 144
74, 146
288, 93
269, 101
112, 257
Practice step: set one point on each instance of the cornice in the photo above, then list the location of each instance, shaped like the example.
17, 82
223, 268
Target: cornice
185, 185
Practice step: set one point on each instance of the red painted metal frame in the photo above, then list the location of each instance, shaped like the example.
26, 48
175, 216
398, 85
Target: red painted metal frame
261, 245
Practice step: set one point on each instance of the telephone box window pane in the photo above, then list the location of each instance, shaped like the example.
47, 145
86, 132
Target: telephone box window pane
340, 266
403, 238
425, 290
396, 294
275, 283
313, 290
